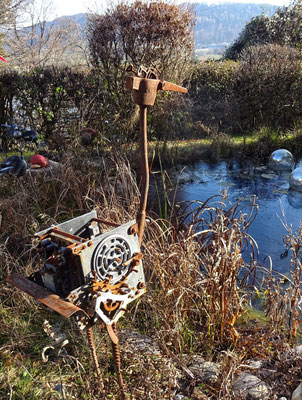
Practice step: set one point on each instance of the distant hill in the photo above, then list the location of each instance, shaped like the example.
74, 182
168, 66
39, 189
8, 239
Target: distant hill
80, 19
222, 23
217, 25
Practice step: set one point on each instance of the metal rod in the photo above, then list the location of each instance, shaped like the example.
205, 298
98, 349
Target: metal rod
144, 165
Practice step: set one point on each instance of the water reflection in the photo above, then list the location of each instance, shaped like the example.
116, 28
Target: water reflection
202, 180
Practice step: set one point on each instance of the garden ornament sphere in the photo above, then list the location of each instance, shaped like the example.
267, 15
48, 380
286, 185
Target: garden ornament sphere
38, 160
13, 165
294, 198
295, 179
30, 136
281, 160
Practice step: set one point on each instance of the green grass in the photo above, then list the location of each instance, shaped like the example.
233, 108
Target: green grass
224, 146
26, 154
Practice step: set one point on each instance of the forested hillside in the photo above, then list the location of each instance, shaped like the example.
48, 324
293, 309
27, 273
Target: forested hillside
221, 23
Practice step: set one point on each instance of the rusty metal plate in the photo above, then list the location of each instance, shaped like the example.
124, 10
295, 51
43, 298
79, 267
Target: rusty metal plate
42, 295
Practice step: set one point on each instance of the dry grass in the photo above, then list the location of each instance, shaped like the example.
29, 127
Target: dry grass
197, 288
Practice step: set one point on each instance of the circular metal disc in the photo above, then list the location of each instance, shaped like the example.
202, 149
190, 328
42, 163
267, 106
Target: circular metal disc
109, 257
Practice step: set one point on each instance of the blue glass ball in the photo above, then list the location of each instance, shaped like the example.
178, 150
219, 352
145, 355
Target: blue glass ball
281, 160
295, 198
295, 179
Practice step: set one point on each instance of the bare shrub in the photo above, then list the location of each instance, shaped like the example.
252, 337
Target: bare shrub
53, 100
141, 33
268, 87
211, 93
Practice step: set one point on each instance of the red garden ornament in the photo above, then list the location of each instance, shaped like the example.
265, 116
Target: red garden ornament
39, 160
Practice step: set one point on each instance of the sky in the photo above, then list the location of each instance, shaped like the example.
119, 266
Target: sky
71, 7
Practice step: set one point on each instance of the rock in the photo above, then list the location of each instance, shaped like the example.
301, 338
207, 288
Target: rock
262, 168
179, 396
252, 364
267, 373
136, 342
259, 366
204, 371
297, 394
269, 176
52, 165
60, 389
251, 387
292, 354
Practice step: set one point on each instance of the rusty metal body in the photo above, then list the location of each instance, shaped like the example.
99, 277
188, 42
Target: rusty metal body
88, 269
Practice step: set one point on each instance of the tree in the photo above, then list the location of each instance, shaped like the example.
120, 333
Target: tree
34, 42
286, 26
141, 33
256, 32
283, 28
8, 12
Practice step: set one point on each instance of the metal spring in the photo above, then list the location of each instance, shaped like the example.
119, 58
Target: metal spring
92, 348
117, 361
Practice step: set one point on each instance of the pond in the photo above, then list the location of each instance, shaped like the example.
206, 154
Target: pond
202, 180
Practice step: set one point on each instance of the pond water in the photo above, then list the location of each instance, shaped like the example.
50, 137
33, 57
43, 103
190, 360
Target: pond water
202, 180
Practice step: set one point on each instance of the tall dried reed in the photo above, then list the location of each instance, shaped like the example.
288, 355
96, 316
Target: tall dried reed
283, 294
195, 268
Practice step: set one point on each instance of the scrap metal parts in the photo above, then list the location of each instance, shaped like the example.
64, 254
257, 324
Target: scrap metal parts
90, 267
